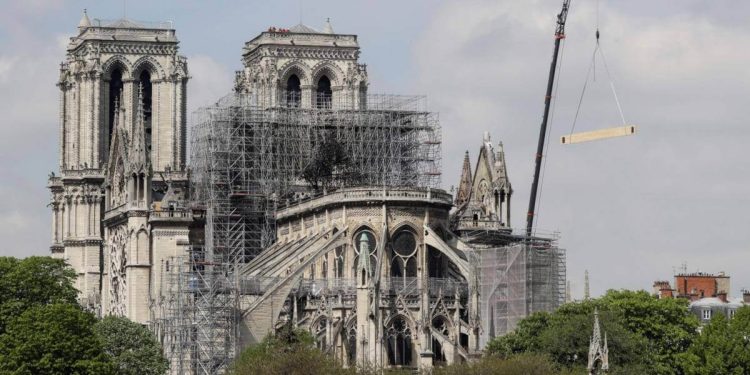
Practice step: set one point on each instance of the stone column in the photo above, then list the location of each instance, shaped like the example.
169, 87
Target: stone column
54, 223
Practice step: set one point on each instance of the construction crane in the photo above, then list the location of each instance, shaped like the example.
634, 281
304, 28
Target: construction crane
559, 35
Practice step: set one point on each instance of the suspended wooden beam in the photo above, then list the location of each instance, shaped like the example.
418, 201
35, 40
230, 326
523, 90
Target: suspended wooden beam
598, 134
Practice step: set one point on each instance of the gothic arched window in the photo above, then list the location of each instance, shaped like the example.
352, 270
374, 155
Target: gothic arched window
293, 91
115, 88
435, 264
399, 345
320, 329
441, 326
324, 93
403, 255
351, 344
144, 87
338, 262
364, 240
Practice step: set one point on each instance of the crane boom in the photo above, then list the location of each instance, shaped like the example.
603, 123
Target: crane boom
559, 35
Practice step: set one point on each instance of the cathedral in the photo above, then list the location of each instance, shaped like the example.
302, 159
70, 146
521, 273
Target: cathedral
308, 202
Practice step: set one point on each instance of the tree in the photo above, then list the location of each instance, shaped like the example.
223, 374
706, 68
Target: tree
132, 348
290, 352
525, 338
33, 281
519, 364
723, 347
642, 332
665, 323
52, 339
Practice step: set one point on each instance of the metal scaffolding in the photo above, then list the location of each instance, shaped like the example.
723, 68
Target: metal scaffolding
246, 159
516, 276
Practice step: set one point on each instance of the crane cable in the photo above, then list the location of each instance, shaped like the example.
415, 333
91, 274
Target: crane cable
592, 68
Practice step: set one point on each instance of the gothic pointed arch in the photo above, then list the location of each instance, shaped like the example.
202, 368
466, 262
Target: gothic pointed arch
151, 65
114, 62
398, 339
330, 70
295, 67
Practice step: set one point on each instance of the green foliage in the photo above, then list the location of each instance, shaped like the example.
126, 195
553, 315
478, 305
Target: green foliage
723, 347
521, 364
52, 339
665, 323
644, 334
132, 347
33, 281
290, 352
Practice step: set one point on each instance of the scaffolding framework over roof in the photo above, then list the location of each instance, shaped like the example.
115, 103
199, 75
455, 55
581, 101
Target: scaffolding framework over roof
246, 159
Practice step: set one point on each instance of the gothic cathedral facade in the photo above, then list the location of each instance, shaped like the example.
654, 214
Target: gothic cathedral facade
117, 201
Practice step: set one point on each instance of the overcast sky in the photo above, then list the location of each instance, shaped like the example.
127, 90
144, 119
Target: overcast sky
630, 210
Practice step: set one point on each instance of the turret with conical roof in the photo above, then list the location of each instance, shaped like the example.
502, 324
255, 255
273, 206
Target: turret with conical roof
85, 22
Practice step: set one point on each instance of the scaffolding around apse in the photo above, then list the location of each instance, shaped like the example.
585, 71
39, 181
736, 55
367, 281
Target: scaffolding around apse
516, 276
246, 159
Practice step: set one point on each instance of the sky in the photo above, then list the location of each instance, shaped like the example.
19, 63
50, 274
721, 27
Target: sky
629, 210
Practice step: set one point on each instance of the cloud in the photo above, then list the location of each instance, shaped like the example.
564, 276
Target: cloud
28, 132
628, 209
209, 81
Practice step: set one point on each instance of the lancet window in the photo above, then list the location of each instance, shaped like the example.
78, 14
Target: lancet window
364, 240
399, 345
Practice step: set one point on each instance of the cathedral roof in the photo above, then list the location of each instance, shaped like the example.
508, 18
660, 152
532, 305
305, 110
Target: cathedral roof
303, 29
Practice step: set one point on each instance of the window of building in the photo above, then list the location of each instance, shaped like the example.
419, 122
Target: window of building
115, 88
339, 261
293, 91
707, 314
399, 345
324, 93
351, 340
435, 263
321, 331
144, 82
441, 326
403, 255
364, 240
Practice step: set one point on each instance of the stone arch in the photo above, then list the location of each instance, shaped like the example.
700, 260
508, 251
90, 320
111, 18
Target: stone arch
405, 225
319, 330
349, 334
399, 340
295, 67
142, 246
388, 321
446, 319
151, 65
330, 70
403, 262
444, 326
363, 226
117, 61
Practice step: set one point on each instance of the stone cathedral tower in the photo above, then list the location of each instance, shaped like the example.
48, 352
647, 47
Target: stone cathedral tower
117, 201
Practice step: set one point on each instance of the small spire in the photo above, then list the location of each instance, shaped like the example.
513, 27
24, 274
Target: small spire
85, 21
327, 28
363, 262
464, 186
